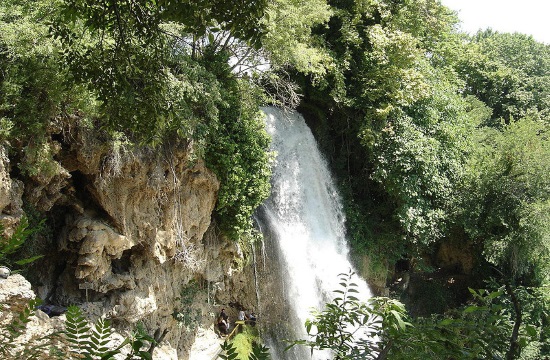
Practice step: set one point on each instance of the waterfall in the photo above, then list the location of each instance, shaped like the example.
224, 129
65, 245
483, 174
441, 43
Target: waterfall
304, 224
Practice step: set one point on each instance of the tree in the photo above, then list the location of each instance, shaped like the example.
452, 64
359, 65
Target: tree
128, 54
382, 329
506, 200
419, 158
392, 120
509, 72
119, 66
128, 20
238, 154
33, 87
289, 40
352, 329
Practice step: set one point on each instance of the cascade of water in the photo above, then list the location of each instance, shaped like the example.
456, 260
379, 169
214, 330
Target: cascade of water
304, 218
256, 287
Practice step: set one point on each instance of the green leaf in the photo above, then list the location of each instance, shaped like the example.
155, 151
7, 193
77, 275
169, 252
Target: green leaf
473, 308
400, 322
28, 260
531, 331
145, 355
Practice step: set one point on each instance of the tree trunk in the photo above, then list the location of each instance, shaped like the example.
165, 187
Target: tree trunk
514, 345
384, 353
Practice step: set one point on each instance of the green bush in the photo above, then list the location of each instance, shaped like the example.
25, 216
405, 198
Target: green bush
238, 154
188, 317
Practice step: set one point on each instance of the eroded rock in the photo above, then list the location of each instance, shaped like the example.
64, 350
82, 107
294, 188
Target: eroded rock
132, 232
11, 192
15, 294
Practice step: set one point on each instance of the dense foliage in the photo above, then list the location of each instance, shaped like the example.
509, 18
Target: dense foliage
507, 207
435, 136
244, 346
504, 323
352, 329
140, 70
509, 73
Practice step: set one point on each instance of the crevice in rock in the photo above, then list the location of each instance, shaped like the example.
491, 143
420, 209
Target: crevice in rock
82, 186
122, 265
60, 139
80, 183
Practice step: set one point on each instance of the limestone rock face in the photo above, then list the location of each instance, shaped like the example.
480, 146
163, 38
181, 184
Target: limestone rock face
457, 257
11, 191
99, 246
15, 294
141, 211
131, 234
5, 180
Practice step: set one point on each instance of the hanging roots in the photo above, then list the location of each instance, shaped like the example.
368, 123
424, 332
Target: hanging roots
188, 255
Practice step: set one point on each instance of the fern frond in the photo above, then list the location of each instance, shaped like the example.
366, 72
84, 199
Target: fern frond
77, 331
259, 352
19, 324
38, 348
229, 352
99, 339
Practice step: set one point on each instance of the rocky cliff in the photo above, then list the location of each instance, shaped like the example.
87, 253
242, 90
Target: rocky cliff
128, 234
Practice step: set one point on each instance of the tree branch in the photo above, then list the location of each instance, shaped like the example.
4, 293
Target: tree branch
383, 355
514, 344
158, 337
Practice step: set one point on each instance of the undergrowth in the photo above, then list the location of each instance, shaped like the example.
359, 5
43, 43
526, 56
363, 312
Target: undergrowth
256, 351
79, 340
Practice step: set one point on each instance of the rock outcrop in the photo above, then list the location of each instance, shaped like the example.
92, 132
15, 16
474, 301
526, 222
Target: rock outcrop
42, 331
131, 231
15, 294
11, 192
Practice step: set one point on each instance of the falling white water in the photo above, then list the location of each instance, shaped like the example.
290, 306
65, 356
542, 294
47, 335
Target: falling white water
305, 215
